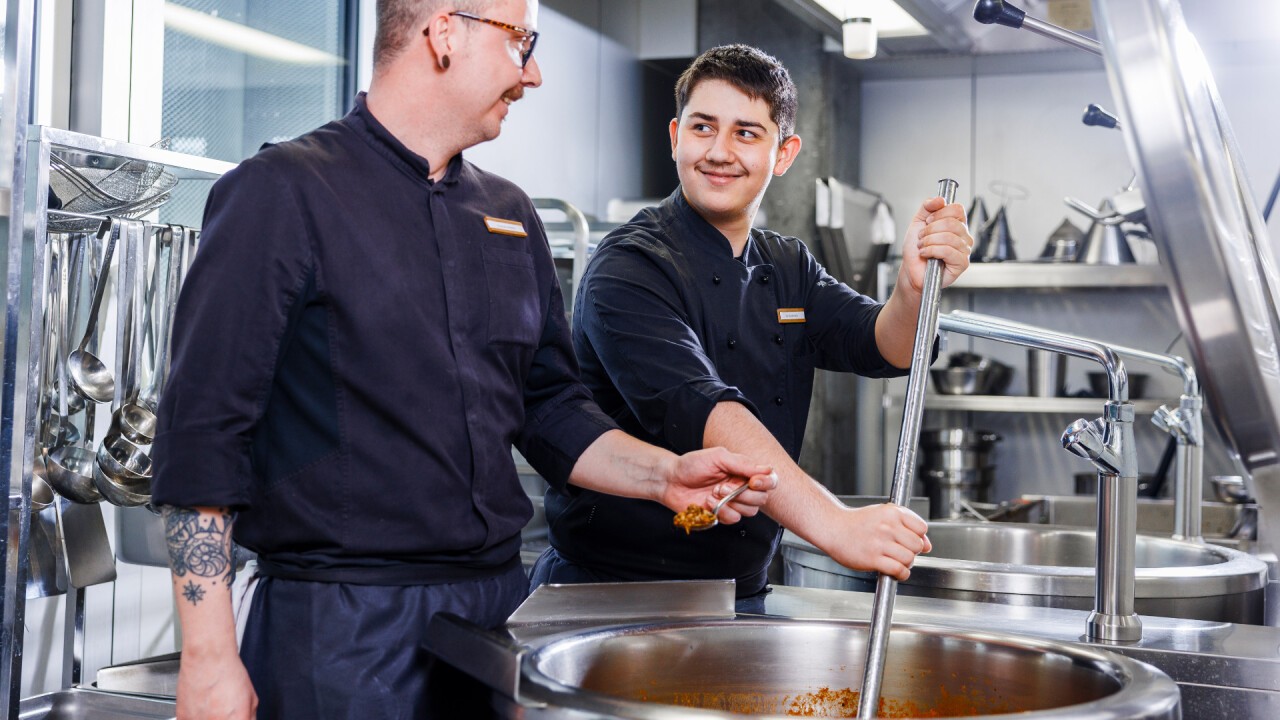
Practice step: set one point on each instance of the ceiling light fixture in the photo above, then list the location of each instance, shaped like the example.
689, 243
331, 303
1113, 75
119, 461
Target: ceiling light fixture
859, 41
889, 19
242, 38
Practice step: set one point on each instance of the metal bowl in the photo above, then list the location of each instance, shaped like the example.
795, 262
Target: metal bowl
777, 668
971, 374
958, 380
1053, 566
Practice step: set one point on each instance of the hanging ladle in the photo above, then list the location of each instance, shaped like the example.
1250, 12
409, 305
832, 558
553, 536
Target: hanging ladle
137, 419
73, 248
122, 471
56, 428
69, 468
75, 401
89, 375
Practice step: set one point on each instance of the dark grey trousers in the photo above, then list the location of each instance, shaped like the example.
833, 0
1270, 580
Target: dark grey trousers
333, 651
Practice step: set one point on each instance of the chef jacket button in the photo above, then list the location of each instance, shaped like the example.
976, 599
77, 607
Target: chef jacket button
715, 278
777, 400
764, 279
732, 343
777, 337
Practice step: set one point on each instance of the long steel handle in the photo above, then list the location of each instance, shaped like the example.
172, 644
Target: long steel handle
904, 469
173, 280
999, 12
100, 286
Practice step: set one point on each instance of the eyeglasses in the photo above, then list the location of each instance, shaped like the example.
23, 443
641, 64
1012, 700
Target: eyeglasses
528, 38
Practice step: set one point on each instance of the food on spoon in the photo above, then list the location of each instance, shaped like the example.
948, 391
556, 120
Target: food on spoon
694, 516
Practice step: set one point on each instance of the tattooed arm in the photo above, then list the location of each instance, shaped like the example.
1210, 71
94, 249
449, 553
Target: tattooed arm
212, 681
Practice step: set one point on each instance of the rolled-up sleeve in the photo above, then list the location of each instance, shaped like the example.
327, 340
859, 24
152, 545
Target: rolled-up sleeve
630, 313
843, 327
231, 316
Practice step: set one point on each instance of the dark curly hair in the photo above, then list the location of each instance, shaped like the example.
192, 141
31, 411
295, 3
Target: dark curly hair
751, 70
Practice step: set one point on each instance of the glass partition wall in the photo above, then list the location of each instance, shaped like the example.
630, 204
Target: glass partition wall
241, 73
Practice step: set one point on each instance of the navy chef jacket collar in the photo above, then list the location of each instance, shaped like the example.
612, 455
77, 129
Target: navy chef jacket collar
389, 146
709, 239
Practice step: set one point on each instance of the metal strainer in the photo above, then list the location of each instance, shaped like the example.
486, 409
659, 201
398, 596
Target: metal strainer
129, 190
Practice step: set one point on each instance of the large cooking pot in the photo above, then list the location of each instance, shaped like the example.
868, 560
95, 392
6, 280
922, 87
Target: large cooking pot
955, 467
956, 449
776, 668
1053, 566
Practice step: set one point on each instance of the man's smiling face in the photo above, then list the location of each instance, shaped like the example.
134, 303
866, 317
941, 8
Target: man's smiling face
726, 149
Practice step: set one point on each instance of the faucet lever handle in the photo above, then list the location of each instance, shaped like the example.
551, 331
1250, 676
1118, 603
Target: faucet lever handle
1088, 439
1165, 419
1081, 438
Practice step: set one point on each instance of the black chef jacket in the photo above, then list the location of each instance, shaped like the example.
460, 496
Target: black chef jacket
668, 323
356, 350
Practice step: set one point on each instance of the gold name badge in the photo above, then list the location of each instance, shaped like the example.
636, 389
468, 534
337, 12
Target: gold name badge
498, 226
790, 315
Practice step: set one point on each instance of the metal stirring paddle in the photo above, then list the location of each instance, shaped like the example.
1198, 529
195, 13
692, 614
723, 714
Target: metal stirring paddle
904, 469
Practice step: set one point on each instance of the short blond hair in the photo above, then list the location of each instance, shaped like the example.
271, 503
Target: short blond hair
398, 20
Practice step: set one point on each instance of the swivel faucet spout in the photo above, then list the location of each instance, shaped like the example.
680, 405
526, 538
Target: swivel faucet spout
1185, 424
1108, 443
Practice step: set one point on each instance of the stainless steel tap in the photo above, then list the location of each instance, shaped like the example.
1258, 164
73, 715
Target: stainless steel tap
1187, 427
1108, 443
1185, 423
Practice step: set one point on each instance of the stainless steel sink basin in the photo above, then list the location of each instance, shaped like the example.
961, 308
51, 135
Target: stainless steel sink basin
1052, 566
778, 668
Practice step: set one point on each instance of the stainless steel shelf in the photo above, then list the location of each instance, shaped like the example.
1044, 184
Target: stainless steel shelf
1022, 404
1053, 276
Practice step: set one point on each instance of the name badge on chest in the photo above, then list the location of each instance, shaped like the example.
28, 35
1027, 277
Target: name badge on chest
790, 315
498, 226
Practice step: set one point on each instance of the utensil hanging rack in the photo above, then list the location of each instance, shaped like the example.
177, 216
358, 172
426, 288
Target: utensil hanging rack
28, 284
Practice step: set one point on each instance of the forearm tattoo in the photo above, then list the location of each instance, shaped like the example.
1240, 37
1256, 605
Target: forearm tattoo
200, 547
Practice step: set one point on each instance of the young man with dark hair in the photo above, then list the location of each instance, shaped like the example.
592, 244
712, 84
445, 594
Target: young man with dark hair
694, 329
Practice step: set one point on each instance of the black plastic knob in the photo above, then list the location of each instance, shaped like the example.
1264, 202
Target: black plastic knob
998, 12
1096, 116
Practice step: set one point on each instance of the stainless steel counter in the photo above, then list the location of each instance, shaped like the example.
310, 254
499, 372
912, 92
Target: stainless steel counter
1223, 670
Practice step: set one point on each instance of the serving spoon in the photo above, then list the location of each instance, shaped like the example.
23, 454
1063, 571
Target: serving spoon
715, 512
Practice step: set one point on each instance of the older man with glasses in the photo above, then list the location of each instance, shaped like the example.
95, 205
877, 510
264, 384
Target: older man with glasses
372, 322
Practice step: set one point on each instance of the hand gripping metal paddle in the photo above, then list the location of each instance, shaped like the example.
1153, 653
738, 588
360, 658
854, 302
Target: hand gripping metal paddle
904, 469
